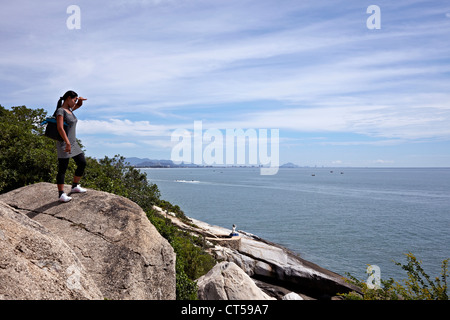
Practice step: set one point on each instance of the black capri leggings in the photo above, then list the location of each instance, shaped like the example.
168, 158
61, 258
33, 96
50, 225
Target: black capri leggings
63, 163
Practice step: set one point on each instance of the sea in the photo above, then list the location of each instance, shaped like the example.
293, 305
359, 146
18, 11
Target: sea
342, 219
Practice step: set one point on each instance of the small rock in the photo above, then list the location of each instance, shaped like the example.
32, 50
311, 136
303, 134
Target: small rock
292, 296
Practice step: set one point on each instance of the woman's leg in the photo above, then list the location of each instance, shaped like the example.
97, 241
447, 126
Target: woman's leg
80, 160
62, 167
63, 163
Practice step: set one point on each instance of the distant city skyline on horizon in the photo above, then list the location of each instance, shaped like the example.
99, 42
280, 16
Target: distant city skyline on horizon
152, 163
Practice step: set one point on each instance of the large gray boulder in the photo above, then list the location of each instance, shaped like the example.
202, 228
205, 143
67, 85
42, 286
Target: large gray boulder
36, 264
226, 281
112, 237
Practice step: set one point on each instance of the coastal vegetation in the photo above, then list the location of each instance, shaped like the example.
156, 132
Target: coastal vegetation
417, 286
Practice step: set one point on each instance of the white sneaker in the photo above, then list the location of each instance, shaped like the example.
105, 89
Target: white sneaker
78, 189
64, 198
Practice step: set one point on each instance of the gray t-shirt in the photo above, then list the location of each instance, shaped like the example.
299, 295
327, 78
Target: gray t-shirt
71, 120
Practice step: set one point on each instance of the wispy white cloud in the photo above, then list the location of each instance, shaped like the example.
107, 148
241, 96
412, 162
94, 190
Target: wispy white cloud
381, 161
300, 66
120, 127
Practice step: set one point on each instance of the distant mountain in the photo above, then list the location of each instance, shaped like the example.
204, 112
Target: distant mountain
289, 165
134, 161
151, 163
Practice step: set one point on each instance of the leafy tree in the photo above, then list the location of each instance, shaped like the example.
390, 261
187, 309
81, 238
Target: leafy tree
25, 155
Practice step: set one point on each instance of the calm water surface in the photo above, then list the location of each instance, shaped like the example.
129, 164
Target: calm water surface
340, 219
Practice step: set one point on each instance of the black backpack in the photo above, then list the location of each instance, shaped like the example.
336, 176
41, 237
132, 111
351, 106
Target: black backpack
51, 131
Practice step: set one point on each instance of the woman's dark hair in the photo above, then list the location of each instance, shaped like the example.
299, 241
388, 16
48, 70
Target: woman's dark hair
68, 94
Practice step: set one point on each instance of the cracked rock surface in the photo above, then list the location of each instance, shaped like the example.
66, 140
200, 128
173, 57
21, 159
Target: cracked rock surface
36, 264
110, 235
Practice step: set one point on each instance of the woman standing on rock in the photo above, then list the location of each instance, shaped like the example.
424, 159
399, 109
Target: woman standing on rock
68, 148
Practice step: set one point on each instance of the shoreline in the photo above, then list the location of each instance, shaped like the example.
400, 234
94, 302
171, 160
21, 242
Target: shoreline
277, 270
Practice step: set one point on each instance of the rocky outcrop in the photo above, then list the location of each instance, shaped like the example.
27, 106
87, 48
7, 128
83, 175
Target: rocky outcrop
273, 264
111, 242
226, 281
275, 269
36, 264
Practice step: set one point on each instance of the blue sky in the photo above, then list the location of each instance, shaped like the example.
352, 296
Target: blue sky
339, 93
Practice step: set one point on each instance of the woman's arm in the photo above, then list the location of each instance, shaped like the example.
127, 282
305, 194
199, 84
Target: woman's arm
79, 103
62, 132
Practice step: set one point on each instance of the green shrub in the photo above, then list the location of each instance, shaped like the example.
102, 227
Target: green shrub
113, 175
166, 205
192, 262
186, 288
418, 285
